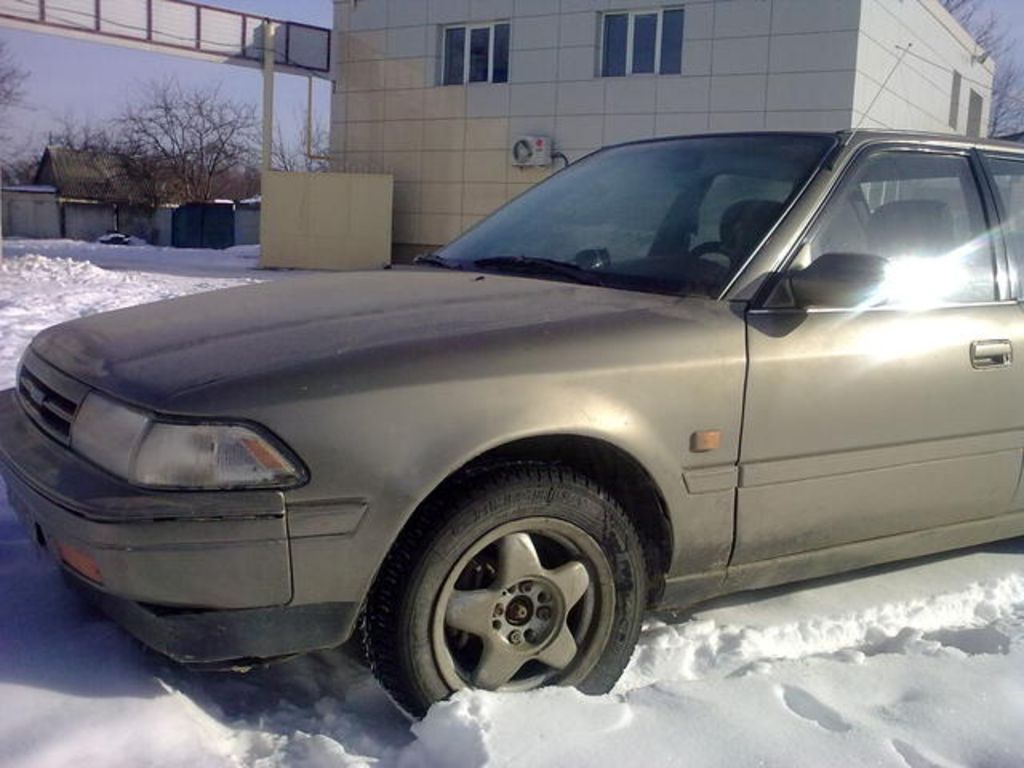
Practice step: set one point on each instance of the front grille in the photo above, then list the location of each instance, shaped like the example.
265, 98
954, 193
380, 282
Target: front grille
49, 398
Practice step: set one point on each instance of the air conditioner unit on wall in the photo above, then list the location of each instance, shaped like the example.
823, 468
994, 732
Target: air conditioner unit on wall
531, 152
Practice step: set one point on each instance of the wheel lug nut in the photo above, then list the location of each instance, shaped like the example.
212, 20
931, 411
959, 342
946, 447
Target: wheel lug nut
543, 613
515, 638
496, 624
543, 597
499, 610
526, 586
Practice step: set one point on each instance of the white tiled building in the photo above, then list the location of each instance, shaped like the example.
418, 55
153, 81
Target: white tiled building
437, 91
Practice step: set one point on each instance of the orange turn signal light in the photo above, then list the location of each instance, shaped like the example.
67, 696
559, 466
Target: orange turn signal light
80, 562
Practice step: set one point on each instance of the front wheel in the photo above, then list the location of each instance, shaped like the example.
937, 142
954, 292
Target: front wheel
526, 576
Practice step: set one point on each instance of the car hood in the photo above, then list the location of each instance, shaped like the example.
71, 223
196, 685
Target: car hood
166, 354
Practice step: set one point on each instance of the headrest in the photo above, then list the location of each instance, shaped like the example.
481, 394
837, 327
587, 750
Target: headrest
911, 228
744, 223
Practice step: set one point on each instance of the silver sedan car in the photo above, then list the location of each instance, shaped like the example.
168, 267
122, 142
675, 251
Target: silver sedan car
677, 368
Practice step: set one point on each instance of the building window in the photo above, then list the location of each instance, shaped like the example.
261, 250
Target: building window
954, 100
642, 42
476, 54
975, 106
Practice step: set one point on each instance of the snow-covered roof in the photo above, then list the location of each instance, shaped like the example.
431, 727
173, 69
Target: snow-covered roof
30, 188
90, 175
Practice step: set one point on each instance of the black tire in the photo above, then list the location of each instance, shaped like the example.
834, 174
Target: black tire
548, 549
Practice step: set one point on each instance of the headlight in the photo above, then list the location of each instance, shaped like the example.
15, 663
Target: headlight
138, 447
108, 434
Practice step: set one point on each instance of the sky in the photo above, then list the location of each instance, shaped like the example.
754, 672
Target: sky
90, 82
1012, 13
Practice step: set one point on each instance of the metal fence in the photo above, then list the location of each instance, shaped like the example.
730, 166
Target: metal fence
181, 25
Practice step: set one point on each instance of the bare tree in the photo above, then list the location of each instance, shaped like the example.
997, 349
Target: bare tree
74, 133
301, 152
196, 138
12, 80
1006, 113
19, 162
12, 91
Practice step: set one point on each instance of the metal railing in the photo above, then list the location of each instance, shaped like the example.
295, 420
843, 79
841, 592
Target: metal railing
178, 25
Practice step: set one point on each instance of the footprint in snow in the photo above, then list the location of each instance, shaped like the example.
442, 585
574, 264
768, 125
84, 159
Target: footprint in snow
802, 704
912, 757
974, 641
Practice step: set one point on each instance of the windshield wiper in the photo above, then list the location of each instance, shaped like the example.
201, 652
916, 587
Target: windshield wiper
435, 260
535, 265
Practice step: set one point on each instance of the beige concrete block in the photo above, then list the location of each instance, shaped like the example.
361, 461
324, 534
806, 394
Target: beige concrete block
445, 102
442, 166
365, 106
326, 220
487, 133
444, 134
403, 104
403, 135
485, 165
481, 199
441, 197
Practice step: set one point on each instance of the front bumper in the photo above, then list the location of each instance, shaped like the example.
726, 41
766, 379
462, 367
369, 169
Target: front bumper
198, 576
225, 639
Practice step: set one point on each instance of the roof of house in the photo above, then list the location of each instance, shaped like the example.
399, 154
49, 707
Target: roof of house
89, 175
33, 188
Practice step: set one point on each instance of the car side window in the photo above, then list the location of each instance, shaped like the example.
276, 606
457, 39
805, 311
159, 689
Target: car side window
922, 213
1009, 178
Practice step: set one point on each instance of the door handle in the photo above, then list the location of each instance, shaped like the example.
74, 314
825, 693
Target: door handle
991, 353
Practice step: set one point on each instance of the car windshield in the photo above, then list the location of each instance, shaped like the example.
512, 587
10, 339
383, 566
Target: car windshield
679, 216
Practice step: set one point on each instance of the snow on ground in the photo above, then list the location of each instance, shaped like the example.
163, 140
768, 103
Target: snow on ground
912, 666
189, 262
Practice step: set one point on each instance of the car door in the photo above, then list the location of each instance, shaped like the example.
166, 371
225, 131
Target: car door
901, 414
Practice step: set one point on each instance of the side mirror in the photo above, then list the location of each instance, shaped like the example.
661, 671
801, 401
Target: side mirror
838, 280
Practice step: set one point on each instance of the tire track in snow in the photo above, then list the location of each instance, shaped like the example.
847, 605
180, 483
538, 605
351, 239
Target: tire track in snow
703, 648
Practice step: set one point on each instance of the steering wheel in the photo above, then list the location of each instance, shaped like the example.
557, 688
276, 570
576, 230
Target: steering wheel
702, 267
711, 246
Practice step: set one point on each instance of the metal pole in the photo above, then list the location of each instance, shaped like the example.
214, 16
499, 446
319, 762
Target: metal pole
309, 118
310, 155
269, 49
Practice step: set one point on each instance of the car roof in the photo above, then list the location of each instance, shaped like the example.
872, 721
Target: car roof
928, 137
852, 137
